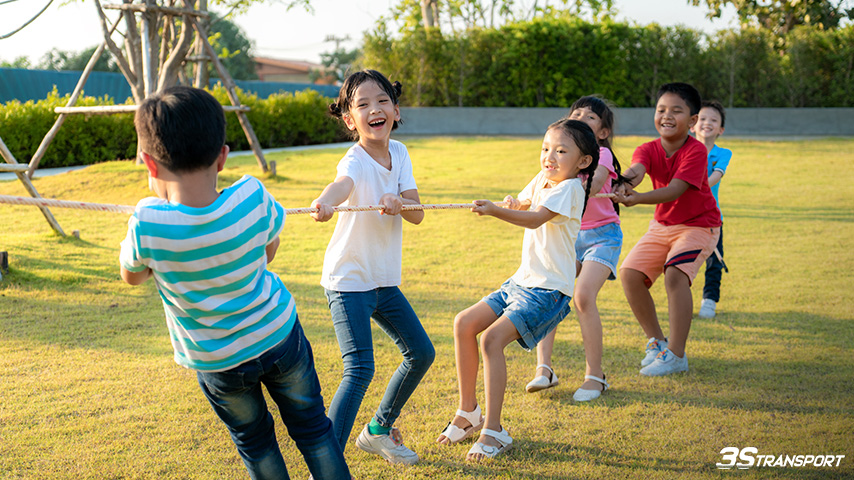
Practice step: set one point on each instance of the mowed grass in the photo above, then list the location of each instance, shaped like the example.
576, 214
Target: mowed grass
90, 390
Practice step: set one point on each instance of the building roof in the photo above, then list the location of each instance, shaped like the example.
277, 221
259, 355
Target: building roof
298, 65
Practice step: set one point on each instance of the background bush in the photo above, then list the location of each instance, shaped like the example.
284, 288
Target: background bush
551, 61
280, 120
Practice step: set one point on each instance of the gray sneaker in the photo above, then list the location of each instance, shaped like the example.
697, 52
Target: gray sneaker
665, 363
386, 447
653, 347
707, 308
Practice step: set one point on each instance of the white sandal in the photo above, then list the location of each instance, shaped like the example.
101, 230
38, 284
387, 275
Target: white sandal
541, 382
456, 434
504, 439
584, 395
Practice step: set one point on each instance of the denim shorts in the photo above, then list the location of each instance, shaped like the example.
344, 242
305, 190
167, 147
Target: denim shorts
600, 244
534, 311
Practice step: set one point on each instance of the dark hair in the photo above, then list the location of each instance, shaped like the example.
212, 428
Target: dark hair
585, 139
717, 106
604, 109
182, 128
686, 92
346, 94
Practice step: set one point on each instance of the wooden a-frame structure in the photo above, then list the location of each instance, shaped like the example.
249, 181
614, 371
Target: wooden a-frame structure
190, 17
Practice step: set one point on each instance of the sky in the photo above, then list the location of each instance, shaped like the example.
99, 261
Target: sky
276, 31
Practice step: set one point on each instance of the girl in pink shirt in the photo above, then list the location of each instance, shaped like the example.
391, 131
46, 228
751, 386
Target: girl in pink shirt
597, 252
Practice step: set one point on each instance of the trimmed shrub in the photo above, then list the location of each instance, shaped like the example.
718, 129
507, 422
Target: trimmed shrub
281, 120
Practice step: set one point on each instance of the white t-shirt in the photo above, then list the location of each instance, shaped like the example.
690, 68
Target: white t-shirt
548, 251
365, 251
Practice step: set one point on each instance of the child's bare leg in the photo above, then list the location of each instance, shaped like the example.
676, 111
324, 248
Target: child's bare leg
467, 325
640, 300
587, 287
492, 342
680, 308
544, 354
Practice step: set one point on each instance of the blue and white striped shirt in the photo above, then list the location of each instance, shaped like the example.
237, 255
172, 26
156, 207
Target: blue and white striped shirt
223, 307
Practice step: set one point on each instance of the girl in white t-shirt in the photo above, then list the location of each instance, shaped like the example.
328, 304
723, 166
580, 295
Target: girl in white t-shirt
361, 269
597, 252
537, 297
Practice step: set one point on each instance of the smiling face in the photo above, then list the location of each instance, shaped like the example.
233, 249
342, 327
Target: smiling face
560, 157
588, 116
673, 117
372, 113
708, 125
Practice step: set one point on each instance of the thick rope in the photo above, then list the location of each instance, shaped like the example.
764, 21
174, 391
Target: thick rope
109, 207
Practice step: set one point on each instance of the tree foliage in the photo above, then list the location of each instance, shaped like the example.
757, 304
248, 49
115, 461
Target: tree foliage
781, 16
60, 60
551, 61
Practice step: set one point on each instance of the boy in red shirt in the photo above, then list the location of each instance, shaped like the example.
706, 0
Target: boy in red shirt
683, 232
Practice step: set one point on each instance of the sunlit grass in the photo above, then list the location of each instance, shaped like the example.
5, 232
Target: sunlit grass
91, 390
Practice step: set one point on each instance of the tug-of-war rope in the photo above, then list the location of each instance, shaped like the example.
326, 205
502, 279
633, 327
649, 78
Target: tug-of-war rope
109, 207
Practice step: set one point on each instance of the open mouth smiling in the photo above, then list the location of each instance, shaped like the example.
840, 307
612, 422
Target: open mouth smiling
377, 123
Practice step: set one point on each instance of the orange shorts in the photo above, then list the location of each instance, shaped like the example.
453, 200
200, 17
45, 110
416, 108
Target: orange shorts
680, 246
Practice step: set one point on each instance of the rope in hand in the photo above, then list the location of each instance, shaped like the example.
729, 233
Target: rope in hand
129, 209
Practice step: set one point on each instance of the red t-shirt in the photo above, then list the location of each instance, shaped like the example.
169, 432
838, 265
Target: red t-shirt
696, 207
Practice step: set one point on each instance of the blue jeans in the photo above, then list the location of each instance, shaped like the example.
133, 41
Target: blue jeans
288, 372
351, 317
712, 285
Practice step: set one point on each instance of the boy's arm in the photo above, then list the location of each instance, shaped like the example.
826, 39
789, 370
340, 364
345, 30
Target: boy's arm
332, 196
715, 177
523, 218
671, 192
271, 249
135, 278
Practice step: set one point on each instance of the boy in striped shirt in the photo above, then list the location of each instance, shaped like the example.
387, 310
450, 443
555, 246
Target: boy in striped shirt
229, 318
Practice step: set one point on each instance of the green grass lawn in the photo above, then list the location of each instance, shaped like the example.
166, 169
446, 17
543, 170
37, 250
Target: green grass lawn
90, 390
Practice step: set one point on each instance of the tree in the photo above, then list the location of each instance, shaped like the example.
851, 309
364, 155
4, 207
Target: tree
19, 62
57, 59
337, 65
780, 16
233, 48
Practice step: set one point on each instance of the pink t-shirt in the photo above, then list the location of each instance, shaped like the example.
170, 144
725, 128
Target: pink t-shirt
600, 211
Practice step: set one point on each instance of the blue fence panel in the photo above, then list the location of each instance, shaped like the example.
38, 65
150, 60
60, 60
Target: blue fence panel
23, 85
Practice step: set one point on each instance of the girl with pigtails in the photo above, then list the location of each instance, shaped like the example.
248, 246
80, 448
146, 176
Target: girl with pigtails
362, 266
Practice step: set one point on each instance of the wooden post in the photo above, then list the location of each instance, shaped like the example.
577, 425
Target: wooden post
28, 185
232, 95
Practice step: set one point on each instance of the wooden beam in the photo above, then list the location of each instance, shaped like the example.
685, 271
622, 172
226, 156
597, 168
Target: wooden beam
13, 167
156, 9
28, 185
111, 109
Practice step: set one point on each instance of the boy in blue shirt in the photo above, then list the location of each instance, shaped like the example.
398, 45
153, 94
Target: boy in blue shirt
710, 126
229, 318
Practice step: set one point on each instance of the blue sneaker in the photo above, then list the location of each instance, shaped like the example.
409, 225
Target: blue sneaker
653, 347
664, 364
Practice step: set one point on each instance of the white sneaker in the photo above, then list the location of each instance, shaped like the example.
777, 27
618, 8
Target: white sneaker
707, 308
386, 447
653, 347
665, 363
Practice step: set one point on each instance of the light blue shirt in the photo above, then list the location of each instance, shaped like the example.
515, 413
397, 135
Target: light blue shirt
718, 160
223, 307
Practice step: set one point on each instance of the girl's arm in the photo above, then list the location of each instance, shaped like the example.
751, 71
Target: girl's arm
600, 176
523, 218
135, 278
332, 196
410, 197
516, 204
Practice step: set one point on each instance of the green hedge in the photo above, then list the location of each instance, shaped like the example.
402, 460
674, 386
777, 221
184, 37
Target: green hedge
550, 62
281, 120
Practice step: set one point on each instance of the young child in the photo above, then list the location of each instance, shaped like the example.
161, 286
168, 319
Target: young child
597, 251
710, 126
537, 297
229, 318
361, 269
682, 234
